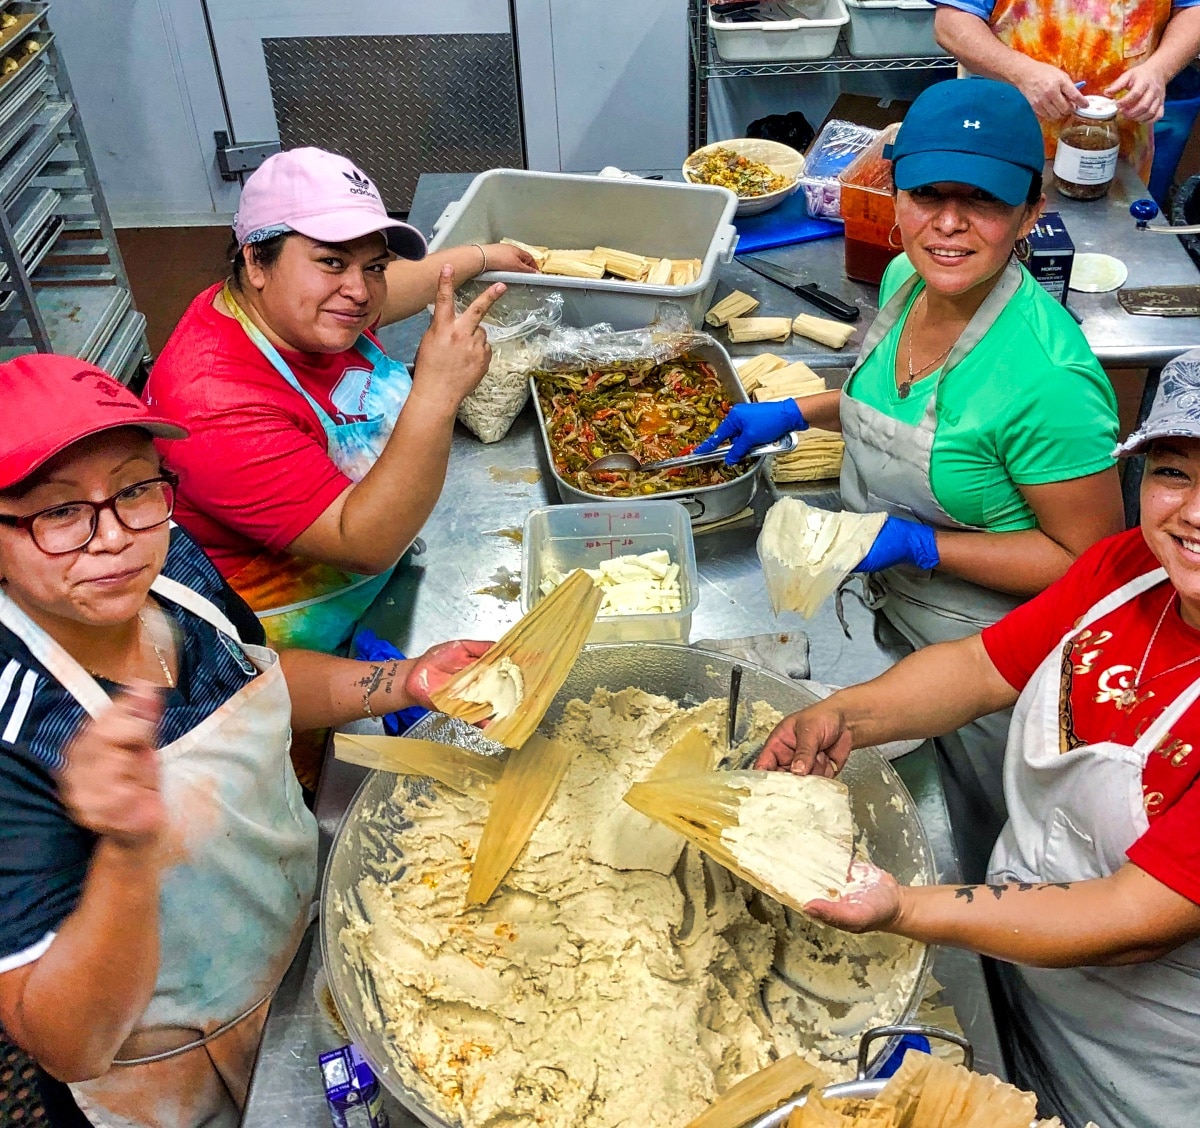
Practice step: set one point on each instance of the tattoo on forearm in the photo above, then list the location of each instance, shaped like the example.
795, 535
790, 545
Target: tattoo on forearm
967, 892
372, 679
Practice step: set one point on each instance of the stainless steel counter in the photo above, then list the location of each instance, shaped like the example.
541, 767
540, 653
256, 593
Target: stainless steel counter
462, 586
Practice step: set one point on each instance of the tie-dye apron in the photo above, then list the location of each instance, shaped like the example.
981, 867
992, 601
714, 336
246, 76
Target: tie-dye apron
1092, 40
304, 603
234, 902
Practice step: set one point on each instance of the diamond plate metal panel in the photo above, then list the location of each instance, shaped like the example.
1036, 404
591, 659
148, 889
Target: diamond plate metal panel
399, 105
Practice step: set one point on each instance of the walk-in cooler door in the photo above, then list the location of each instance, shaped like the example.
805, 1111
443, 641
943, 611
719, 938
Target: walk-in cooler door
399, 86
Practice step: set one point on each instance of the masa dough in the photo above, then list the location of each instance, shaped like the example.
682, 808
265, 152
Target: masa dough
584, 996
794, 834
499, 685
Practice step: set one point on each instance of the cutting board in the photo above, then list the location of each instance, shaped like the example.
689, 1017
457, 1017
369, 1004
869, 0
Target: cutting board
780, 227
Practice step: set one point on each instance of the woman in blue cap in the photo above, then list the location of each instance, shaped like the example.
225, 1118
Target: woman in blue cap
977, 416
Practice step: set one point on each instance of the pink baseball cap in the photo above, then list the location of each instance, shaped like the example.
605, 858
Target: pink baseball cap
321, 195
58, 401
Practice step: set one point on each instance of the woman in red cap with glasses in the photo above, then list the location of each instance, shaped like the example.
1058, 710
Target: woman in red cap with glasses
157, 864
314, 458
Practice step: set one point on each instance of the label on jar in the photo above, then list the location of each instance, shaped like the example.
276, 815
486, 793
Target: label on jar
1085, 166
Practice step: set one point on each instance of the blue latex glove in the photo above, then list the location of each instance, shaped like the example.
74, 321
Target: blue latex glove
752, 424
370, 647
901, 541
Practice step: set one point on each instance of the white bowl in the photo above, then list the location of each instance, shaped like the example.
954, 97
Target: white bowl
780, 158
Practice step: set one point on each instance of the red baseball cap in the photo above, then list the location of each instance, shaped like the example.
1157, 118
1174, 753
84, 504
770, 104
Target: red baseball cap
53, 401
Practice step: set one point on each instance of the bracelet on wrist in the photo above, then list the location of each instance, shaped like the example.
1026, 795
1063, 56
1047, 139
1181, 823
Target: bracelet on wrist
483, 257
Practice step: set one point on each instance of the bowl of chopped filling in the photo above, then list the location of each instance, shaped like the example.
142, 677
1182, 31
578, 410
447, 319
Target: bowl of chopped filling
762, 174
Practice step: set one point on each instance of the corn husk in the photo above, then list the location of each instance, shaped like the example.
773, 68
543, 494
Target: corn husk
737, 304
532, 774
543, 646
459, 769
809, 857
760, 1093
752, 372
746, 329
794, 381
930, 1093
817, 455
692, 753
685, 271
624, 264
573, 264
832, 334
626, 839
806, 553
659, 273
537, 253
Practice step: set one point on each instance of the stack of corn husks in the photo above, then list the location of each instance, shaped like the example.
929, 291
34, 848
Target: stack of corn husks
818, 454
599, 262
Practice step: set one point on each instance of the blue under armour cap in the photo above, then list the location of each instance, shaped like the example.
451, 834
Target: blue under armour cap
973, 131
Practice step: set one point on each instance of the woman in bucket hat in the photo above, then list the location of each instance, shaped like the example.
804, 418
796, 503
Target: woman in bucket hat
977, 416
157, 863
1093, 890
314, 458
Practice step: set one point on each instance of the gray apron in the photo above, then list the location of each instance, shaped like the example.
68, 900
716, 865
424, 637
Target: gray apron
886, 467
1118, 1045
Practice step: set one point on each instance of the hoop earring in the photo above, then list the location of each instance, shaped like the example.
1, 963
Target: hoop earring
1022, 249
895, 246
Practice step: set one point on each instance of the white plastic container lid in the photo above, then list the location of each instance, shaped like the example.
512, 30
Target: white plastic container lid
1098, 108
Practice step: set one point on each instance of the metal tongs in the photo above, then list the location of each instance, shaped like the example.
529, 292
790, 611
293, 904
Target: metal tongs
624, 462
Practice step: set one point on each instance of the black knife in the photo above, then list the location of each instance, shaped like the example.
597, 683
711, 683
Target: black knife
809, 291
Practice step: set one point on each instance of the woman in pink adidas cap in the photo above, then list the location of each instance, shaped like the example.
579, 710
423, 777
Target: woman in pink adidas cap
157, 863
314, 459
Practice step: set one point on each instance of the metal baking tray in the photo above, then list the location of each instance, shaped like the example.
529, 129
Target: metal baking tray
704, 503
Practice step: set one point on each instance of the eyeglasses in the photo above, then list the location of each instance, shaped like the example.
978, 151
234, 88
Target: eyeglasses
71, 526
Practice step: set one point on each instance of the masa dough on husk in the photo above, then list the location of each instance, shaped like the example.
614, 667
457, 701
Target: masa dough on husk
586, 996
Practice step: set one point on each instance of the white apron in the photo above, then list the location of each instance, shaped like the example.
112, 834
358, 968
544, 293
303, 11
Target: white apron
887, 467
304, 604
1118, 1045
234, 903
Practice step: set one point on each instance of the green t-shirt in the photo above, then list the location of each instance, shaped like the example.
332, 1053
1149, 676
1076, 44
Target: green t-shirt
1030, 404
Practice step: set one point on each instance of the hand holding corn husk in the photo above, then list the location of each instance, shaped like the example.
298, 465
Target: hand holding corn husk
806, 553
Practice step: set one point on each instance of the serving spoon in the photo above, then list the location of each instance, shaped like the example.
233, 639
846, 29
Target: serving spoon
624, 462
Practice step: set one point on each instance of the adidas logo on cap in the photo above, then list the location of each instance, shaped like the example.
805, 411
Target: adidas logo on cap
359, 184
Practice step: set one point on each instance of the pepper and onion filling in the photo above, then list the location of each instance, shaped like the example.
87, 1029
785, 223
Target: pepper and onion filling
728, 169
650, 411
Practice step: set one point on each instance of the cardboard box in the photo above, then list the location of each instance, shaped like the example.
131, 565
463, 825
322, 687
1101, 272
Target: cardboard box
1051, 255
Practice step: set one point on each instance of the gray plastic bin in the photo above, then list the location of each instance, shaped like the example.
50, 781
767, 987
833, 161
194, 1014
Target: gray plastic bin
891, 29
570, 212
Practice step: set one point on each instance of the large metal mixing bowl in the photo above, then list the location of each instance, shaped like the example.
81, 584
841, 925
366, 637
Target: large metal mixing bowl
365, 844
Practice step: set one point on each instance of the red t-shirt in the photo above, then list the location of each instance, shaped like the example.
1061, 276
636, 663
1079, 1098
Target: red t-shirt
255, 470
1102, 662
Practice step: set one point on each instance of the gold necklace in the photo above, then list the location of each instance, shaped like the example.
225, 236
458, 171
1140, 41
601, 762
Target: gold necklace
1129, 697
158, 653
162, 661
906, 385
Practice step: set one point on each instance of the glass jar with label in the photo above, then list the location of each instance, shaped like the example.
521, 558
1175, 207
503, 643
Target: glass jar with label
1086, 159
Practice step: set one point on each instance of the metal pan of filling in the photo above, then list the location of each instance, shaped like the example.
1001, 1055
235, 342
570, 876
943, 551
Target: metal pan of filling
709, 493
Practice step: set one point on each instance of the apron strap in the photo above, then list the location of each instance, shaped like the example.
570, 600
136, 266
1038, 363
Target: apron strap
196, 603
1113, 600
364, 345
57, 661
64, 668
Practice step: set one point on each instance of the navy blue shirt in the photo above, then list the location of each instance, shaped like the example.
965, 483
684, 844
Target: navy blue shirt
43, 854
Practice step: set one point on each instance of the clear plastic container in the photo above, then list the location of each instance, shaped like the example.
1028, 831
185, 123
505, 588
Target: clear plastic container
1085, 161
564, 537
834, 148
869, 211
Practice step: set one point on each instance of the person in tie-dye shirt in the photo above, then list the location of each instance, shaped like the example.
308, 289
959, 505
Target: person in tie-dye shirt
1124, 49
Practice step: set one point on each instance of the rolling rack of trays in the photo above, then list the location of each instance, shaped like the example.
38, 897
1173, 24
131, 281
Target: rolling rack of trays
706, 63
63, 287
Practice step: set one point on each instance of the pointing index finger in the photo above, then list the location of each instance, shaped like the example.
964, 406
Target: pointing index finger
474, 314
443, 302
